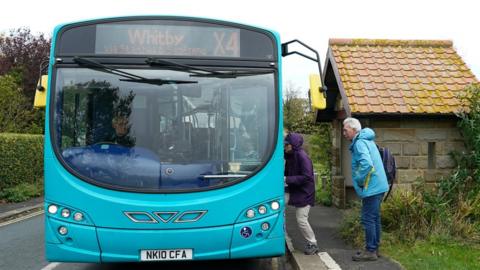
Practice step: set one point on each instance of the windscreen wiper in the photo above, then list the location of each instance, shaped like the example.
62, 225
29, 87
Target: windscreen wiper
222, 176
202, 72
128, 77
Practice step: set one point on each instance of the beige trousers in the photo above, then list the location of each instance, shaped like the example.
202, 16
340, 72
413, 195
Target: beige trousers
301, 214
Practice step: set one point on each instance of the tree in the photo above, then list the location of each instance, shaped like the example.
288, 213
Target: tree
22, 52
293, 107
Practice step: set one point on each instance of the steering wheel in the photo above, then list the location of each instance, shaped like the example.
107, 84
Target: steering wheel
104, 142
109, 145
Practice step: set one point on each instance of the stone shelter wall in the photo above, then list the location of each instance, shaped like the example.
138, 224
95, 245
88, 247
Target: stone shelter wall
421, 149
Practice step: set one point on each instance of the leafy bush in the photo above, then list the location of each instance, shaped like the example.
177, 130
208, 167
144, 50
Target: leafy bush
351, 228
418, 214
13, 111
21, 159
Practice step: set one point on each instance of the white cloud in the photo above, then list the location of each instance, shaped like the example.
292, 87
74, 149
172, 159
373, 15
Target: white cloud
313, 22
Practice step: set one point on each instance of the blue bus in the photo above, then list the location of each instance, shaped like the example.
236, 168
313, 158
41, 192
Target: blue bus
163, 141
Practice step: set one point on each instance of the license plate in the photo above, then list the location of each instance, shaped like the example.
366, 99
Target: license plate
166, 254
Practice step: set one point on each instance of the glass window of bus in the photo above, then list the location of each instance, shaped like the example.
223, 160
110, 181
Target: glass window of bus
172, 136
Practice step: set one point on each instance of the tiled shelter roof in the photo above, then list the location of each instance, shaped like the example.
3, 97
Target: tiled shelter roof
399, 76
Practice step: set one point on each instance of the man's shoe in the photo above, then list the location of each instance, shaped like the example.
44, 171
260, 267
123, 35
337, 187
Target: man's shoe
376, 252
311, 249
364, 256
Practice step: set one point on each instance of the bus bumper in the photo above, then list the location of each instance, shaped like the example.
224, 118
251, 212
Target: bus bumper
83, 243
78, 245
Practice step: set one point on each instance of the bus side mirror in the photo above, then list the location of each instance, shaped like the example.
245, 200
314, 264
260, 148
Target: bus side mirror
41, 93
318, 97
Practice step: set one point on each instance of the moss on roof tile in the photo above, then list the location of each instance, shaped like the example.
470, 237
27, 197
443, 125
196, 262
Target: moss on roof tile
404, 75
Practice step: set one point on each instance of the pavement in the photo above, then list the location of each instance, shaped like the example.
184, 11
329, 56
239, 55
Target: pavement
9, 211
334, 253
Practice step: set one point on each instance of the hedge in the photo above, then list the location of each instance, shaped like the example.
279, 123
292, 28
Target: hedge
21, 159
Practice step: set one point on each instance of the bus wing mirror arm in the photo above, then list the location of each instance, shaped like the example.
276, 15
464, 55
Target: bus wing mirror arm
43, 69
287, 52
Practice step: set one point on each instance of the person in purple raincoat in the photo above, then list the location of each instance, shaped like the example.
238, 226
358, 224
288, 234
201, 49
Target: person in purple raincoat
300, 186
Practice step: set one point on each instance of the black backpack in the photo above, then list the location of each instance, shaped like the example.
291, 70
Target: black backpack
390, 167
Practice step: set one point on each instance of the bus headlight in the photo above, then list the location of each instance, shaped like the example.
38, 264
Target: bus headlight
250, 213
62, 230
78, 216
265, 226
65, 212
52, 209
275, 205
262, 209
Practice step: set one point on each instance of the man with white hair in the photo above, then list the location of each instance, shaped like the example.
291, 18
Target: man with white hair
369, 181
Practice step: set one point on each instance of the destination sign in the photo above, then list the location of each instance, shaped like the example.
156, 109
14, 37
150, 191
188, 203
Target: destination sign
175, 40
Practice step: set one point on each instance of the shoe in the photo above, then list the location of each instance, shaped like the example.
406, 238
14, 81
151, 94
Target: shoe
364, 256
311, 249
376, 252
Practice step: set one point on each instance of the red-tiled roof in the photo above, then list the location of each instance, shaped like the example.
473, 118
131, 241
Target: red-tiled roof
400, 76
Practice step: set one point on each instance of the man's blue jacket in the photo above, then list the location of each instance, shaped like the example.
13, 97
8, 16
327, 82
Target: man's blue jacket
368, 175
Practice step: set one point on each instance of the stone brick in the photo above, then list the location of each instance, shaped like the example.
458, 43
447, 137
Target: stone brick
455, 135
443, 173
399, 135
430, 176
435, 176
418, 124
411, 149
419, 162
433, 134
338, 181
408, 176
377, 124
379, 134
395, 148
338, 191
336, 164
445, 162
453, 146
445, 124
402, 162
336, 202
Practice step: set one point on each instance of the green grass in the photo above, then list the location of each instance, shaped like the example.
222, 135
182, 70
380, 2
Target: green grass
22, 192
435, 254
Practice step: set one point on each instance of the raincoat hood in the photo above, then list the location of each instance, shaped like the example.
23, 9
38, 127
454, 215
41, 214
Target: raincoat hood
295, 140
366, 134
